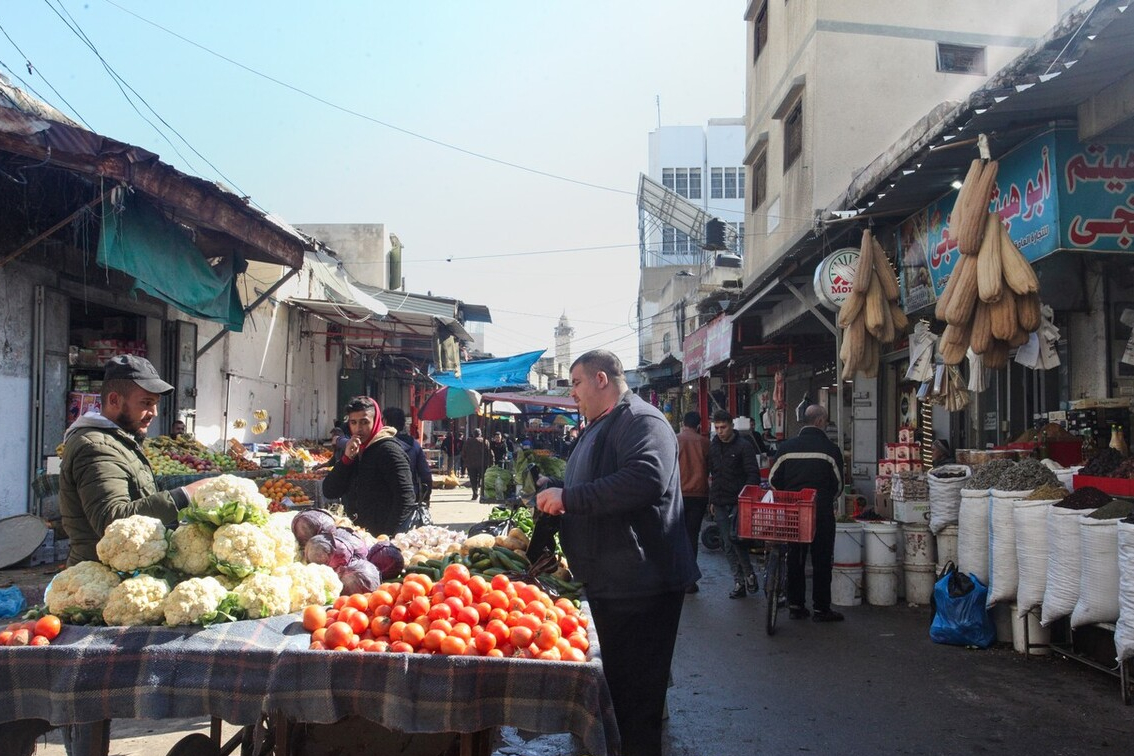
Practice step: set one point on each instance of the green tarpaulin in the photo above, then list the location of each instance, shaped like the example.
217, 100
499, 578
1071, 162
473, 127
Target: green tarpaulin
139, 241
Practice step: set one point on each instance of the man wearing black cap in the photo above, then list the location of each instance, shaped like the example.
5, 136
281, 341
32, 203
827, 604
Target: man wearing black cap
105, 476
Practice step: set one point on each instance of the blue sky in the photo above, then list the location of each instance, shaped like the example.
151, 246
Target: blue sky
563, 88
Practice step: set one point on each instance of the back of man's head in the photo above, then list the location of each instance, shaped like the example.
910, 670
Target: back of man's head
692, 420
395, 417
816, 415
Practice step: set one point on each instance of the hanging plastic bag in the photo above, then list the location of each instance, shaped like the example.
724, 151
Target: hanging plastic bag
960, 617
415, 516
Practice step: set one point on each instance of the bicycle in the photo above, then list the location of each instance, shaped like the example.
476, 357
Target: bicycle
778, 518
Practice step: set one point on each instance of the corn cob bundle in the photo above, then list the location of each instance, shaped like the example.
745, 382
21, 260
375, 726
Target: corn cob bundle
870, 316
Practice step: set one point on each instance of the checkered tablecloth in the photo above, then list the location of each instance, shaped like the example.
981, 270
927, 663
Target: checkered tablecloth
238, 671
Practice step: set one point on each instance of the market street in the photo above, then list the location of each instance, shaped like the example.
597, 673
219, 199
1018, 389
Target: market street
874, 684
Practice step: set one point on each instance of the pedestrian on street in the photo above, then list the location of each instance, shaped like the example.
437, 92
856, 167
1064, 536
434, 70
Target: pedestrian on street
373, 478
499, 449
422, 474
623, 530
693, 460
733, 464
477, 456
104, 475
812, 460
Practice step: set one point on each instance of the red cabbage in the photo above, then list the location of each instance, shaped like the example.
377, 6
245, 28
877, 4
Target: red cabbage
311, 522
359, 576
387, 558
353, 542
328, 550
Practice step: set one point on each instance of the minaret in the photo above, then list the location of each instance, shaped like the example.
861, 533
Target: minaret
563, 334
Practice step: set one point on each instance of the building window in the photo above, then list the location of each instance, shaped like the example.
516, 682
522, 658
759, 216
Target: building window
793, 135
667, 178
694, 183
740, 182
730, 183
960, 59
684, 181
759, 180
675, 242
666, 343
760, 33
726, 183
716, 183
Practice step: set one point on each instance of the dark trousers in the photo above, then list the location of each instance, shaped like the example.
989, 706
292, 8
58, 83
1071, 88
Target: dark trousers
695, 507
822, 551
476, 476
636, 664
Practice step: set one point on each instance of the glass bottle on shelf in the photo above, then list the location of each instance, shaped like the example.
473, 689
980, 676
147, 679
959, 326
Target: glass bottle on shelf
1118, 440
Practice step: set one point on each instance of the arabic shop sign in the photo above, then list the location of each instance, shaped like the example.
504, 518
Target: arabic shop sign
709, 345
1051, 193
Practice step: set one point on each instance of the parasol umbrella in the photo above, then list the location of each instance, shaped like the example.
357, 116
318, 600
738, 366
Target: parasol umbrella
449, 401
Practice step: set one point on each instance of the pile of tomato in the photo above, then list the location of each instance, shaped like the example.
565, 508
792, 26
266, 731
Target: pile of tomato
38, 632
461, 614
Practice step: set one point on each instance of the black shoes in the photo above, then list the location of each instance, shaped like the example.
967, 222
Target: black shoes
738, 591
827, 615
750, 584
798, 612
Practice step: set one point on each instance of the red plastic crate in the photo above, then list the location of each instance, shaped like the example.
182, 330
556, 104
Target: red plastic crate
1112, 486
790, 516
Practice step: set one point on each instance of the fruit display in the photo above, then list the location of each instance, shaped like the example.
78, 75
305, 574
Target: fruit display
280, 488
38, 631
460, 614
184, 456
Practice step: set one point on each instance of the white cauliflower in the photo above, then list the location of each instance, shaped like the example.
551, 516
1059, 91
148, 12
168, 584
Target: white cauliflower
136, 601
86, 586
310, 584
263, 595
223, 489
133, 543
286, 547
242, 548
190, 549
196, 601
228, 581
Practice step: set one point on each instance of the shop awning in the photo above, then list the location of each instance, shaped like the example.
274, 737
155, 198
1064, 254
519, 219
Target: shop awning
495, 373
526, 399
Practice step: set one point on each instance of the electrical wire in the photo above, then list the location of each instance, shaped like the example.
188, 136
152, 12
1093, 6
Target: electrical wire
32, 69
371, 119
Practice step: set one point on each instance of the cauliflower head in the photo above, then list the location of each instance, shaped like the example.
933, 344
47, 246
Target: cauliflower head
310, 584
133, 543
264, 595
86, 586
227, 499
190, 549
195, 601
136, 601
279, 529
239, 549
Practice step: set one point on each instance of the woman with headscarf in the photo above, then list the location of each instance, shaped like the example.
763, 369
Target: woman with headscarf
373, 477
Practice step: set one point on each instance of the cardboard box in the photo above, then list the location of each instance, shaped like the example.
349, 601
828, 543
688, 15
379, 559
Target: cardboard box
273, 460
886, 467
914, 512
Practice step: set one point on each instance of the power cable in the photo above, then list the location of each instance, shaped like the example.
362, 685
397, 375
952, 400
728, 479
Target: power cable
32, 70
371, 119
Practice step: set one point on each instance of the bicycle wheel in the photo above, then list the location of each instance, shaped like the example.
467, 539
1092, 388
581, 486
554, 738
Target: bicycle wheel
773, 566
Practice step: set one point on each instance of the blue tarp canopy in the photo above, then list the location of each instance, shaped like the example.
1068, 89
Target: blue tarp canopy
499, 372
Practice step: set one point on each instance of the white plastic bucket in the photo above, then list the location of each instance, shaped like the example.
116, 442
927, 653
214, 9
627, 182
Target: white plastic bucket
919, 579
848, 543
881, 541
846, 584
918, 545
880, 585
1039, 637
946, 546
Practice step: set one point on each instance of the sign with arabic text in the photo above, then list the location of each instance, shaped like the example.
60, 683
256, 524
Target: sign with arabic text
708, 346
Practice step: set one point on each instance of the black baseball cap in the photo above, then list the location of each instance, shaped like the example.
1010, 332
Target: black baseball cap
137, 369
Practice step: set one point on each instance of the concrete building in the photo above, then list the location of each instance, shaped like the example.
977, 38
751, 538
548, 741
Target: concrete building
369, 252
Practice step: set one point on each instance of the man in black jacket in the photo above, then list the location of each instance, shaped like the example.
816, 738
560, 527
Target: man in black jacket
733, 464
623, 530
395, 417
811, 460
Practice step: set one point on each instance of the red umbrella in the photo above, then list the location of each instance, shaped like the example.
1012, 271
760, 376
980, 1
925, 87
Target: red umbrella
449, 401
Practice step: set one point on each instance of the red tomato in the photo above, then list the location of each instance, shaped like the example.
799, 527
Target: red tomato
48, 626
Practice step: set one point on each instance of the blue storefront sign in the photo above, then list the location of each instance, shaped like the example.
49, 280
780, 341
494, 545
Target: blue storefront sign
1051, 193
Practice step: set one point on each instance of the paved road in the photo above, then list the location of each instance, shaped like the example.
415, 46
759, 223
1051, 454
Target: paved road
872, 685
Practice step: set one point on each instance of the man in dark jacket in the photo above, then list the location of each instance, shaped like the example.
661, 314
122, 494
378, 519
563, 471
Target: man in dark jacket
623, 530
373, 478
811, 460
477, 457
733, 464
395, 417
105, 475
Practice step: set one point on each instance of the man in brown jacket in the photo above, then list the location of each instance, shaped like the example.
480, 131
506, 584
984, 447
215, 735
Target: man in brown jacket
693, 461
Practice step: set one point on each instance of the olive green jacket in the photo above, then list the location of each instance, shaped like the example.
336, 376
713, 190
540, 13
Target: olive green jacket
104, 477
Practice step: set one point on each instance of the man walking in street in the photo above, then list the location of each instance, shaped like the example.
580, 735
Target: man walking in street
733, 464
477, 456
693, 459
623, 530
395, 417
811, 460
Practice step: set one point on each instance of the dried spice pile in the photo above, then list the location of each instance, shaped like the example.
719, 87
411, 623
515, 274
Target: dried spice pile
1125, 469
1113, 509
1025, 475
1087, 497
1047, 491
1103, 463
985, 475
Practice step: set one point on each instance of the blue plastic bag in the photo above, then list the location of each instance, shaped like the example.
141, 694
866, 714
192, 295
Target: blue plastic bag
12, 601
960, 617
